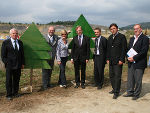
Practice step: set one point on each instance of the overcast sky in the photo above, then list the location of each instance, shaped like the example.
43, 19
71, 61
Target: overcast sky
102, 12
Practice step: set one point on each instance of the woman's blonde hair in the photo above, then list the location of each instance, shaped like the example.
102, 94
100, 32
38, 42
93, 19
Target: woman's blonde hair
64, 32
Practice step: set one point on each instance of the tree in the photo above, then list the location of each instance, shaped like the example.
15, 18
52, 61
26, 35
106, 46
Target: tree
35, 49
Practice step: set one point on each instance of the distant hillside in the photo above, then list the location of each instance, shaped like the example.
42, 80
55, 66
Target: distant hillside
59, 25
145, 25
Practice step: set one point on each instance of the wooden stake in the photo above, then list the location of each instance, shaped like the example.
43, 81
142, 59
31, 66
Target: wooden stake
31, 78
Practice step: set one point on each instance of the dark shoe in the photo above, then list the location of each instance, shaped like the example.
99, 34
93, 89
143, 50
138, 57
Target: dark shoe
111, 92
99, 87
135, 98
83, 86
94, 85
76, 86
17, 95
115, 96
9, 98
49, 86
127, 95
42, 89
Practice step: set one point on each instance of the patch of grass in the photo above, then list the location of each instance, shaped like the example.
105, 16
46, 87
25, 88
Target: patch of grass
2, 82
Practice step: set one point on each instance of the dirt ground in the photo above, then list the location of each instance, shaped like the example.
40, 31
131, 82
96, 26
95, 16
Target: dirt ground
70, 100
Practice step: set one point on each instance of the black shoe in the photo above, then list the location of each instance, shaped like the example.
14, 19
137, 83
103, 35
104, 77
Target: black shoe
83, 86
9, 98
127, 95
135, 98
49, 86
42, 89
17, 95
111, 92
115, 96
99, 87
94, 85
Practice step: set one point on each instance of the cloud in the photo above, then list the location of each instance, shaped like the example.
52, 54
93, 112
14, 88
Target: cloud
103, 12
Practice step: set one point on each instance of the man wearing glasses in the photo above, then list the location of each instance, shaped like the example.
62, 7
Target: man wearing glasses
52, 40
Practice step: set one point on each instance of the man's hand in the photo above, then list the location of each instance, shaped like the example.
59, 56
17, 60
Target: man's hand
87, 61
120, 63
72, 61
130, 59
107, 61
22, 67
58, 62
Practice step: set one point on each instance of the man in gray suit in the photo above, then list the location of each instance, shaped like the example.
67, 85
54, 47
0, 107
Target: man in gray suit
52, 40
136, 62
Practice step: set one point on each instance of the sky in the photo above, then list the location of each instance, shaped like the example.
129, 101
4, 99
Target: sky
101, 12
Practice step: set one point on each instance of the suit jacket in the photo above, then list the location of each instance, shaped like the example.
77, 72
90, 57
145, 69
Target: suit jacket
52, 45
116, 49
102, 48
10, 57
80, 52
141, 47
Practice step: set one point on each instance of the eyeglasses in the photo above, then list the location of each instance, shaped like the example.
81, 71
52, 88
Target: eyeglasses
63, 34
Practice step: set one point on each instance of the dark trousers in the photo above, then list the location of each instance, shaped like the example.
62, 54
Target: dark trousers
77, 65
12, 81
115, 73
134, 81
99, 65
46, 74
62, 76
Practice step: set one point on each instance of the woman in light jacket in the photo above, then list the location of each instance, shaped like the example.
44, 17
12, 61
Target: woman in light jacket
62, 57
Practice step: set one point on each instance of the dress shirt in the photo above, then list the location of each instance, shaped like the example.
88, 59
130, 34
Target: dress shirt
51, 38
136, 38
97, 45
81, 38
61, 50
13, 43
115, 35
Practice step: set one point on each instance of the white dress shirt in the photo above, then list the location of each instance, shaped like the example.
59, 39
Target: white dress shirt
98, 41
51, 38
81, 38
136, 38
13, 43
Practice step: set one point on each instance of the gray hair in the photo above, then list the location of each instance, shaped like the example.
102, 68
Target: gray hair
13, 29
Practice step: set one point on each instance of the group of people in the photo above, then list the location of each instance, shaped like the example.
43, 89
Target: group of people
111, 51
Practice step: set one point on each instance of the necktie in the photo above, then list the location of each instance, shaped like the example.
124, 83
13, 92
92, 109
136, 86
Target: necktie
97, 45
52, 39
97, 42
16, 48
80, 40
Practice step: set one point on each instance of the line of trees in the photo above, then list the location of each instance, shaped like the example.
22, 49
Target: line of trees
62, 23
50, 23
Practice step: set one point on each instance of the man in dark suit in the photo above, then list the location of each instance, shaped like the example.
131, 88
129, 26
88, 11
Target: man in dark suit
12, 54
80, 55
116, 52
136, 62
99, 58
52, 40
